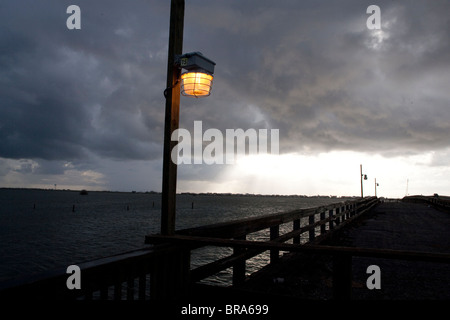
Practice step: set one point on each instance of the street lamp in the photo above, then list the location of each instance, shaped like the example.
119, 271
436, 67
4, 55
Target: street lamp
376, 185
196, 82
363, 176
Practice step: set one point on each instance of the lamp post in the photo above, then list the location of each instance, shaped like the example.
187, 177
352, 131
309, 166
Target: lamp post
376, 185
196, 82
363, 176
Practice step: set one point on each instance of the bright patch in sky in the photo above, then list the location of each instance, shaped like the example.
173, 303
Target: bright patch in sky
333, 173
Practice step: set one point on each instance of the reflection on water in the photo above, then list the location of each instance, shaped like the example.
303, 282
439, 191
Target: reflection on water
48, 229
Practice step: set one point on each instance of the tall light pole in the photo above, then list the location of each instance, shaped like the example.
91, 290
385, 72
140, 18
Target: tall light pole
363, 176
196, 82
171, 123
376, 185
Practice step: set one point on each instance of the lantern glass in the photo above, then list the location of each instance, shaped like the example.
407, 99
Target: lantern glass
196, 84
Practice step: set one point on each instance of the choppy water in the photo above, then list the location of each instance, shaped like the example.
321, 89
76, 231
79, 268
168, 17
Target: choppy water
46, 229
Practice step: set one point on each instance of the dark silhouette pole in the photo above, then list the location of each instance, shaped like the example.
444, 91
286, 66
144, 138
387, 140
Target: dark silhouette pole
376, 185
360, 169
172, 93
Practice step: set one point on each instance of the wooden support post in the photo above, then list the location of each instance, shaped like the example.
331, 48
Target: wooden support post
296, 226
183, 270
330, 215
118, 290
274, 253
322, 227
170, 277
239, 267
157, 277
311, 231
142, 285
169, 185
130, 288
104, 293
342, 277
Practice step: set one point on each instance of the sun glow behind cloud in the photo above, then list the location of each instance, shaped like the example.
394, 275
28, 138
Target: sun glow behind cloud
334, 173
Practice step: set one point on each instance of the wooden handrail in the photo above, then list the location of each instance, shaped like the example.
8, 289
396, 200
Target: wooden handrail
437, 201
237, 228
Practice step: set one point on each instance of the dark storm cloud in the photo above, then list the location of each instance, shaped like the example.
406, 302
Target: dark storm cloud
324, 79
66, 93
311, 69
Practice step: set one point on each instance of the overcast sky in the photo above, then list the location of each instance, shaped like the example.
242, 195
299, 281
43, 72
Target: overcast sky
85, 108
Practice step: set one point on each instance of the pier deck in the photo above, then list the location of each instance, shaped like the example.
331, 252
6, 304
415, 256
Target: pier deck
390, 225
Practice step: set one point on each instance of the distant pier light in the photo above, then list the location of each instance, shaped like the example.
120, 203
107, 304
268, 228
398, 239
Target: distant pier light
197, 80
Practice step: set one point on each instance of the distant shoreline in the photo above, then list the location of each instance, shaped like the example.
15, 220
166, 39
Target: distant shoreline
182, 193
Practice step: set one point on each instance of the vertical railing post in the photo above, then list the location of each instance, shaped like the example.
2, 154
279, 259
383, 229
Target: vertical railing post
330, 215
322, 226
311, 230
338, 219
274, 233
170, 276
157, 276
130, 288
296, 226
239, 266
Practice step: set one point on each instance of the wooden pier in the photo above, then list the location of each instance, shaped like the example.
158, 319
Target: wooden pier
315, 242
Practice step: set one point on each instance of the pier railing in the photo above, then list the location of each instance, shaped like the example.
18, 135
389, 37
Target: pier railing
436, 201
301, 226
164, 269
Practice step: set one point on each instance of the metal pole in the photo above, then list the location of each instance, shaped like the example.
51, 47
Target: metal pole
360, 169
375, 187
169, 183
